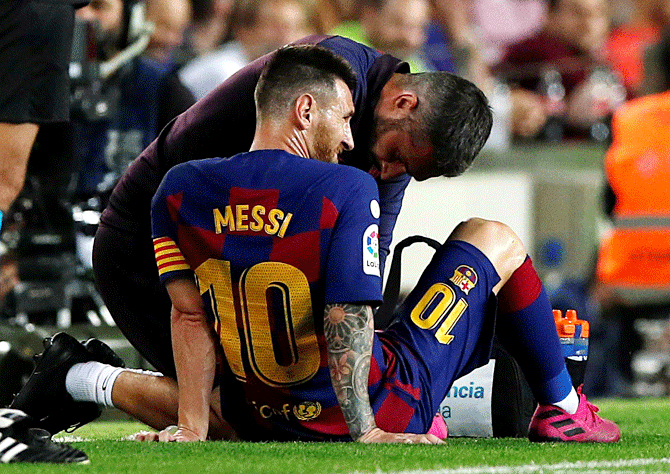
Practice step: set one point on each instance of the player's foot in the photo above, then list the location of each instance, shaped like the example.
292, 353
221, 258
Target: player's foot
21, 441
45, 398
62, 420
551, 423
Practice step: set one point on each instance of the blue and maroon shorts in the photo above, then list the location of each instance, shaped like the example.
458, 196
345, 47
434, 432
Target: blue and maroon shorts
442, 331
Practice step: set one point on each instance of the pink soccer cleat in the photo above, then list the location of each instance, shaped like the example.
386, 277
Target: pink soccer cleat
439, 427
551, 423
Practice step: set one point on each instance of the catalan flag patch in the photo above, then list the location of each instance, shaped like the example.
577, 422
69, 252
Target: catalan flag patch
168, 256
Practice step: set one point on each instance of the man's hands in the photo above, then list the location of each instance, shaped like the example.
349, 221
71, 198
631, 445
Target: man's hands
376, 435
349, 334
168, 435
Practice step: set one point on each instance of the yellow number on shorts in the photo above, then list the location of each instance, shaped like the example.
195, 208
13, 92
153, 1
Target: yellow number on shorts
435, 304
276, 312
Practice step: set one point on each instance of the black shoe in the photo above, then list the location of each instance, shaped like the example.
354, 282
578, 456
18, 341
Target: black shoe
45, 398
64, 420
101, 352
21, 441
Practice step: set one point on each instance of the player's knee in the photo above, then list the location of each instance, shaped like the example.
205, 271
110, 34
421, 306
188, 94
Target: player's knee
496, 240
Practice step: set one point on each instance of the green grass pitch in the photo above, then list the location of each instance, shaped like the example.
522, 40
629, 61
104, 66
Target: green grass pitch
645, 447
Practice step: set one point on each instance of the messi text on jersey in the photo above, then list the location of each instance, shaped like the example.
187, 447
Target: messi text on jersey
241, 218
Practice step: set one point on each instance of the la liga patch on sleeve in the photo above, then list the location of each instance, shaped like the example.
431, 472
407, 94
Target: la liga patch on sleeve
371, 250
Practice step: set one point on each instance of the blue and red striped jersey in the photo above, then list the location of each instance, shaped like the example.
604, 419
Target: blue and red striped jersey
271, 238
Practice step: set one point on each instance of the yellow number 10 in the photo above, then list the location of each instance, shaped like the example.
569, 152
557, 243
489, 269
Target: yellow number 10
276, 313
432, 308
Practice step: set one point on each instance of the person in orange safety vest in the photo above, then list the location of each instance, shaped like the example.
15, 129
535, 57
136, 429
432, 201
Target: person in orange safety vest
634, 257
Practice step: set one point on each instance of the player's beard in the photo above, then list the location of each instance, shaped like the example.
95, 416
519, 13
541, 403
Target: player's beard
322, 149
381, 126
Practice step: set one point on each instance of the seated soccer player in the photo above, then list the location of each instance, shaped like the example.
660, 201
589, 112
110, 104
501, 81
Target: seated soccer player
271, 262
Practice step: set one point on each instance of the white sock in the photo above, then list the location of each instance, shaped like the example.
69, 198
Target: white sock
569, 403
92, 382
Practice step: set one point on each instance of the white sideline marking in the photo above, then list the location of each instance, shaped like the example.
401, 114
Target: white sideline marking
78, 439
71, 439
580, 466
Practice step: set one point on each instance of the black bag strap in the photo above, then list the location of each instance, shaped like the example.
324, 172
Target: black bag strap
384, 314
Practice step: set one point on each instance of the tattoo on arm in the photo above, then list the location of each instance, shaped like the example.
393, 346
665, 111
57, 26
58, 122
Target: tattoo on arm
349, 329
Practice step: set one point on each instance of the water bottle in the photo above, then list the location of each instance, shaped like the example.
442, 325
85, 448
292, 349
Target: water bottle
574, 336
566, 333
582, 330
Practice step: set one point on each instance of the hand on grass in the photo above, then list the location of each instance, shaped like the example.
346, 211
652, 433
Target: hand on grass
377, 435
168, 435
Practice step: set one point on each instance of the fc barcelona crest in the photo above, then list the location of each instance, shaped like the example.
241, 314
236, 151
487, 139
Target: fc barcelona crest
465, 278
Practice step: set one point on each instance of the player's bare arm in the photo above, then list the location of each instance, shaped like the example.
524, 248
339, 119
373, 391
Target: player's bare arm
193, 348
349, 329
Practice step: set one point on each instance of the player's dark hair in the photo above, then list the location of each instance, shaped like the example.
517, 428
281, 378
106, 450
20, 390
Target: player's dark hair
299, 69
453, 115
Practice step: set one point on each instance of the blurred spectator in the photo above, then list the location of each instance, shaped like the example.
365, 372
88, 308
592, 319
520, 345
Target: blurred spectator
628, 42
501, 23
170, 19
477, 32
438, 48
397, 27
137, 98
331, 13
559, 76
208, 27
454, 43
256, 28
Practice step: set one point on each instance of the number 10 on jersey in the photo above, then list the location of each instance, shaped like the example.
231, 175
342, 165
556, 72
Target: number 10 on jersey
274, 303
